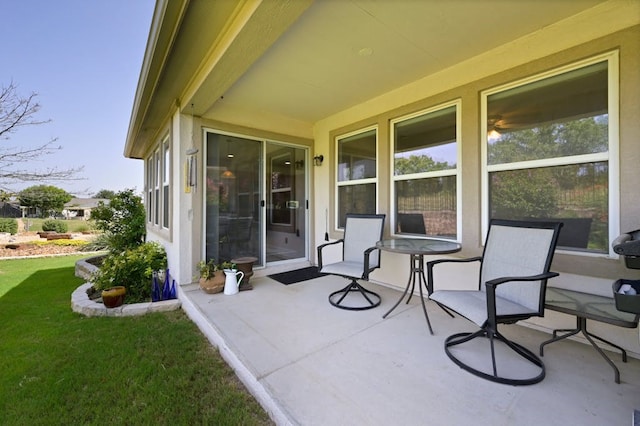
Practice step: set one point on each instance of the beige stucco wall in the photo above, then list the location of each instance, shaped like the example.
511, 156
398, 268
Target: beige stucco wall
627, 42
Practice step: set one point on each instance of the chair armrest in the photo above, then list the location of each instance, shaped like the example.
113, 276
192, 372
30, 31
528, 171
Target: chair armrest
432, 263
491, 290
322, 246
367, 253
497, 281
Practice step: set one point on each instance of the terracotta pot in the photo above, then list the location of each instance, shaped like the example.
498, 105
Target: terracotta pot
214, 284
114, 296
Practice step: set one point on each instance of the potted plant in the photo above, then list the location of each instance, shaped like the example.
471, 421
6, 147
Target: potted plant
211, 276
228, 266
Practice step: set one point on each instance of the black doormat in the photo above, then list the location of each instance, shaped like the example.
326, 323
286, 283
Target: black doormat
298, 275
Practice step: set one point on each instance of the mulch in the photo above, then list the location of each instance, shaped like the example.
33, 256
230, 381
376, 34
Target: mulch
26, 249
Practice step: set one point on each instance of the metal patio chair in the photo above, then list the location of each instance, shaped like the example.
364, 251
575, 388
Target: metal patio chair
359, 258
514, 269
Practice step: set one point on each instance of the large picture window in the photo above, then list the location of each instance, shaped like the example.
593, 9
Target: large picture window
356, 174
425, 173
548, 152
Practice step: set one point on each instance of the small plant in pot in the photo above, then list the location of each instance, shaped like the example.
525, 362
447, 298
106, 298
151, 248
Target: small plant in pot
228, 266
211, 276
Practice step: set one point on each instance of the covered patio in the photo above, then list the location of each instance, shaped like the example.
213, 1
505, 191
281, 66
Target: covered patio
310, 363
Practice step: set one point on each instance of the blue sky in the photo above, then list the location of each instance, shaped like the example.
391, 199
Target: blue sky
83, 59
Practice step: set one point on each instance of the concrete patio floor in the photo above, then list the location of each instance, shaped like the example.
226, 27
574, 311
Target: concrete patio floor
309, 363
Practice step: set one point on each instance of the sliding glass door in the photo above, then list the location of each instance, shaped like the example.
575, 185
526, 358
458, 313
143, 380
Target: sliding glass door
286, 231
255, 200
233, 220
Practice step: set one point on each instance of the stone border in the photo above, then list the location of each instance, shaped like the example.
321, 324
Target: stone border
81, 303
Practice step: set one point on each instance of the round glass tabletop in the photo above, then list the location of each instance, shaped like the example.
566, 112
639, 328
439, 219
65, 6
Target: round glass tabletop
418, 246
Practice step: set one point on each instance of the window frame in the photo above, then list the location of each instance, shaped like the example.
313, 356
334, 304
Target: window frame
157, 171
457, 172
165, 183
158, 185
354, 182
611, 156
149, 189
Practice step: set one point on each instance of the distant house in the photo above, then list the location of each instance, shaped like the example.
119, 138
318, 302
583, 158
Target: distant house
10, 209
80, 208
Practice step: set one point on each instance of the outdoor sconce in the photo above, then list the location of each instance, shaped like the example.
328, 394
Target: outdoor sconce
192, 168
318, 159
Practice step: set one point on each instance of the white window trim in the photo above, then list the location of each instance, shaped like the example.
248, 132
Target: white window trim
158, 176
157, 173
440, 173
339, 184
612, 156
166, 183
149, 189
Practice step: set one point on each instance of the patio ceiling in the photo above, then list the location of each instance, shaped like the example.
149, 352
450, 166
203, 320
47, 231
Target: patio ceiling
303, 61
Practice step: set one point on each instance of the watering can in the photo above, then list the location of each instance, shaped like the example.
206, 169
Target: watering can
231, 281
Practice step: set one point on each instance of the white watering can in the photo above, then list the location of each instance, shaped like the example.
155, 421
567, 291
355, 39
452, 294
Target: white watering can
231, 281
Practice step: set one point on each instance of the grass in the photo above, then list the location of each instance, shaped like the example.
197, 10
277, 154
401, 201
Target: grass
59, 367
74, 225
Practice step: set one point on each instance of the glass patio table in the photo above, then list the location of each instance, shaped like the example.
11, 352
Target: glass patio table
586, 306
416, 249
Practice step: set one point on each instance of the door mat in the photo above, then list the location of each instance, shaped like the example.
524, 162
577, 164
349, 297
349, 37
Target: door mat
297, 275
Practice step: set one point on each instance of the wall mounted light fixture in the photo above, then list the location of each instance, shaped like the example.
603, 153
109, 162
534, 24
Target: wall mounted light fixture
192, 167
318, 159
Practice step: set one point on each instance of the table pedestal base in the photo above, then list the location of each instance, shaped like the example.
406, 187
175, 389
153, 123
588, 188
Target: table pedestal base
581, 327
416, 270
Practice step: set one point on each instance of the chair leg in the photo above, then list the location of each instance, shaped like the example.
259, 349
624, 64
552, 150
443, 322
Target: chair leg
523, 352
373, 299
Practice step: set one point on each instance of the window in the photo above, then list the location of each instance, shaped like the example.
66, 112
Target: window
149, 202
158, 177
425, 173
165, 184
156, 187
549, 152
356, 174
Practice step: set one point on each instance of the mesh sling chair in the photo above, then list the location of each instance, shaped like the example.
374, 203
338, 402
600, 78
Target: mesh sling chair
359, 258
514, 269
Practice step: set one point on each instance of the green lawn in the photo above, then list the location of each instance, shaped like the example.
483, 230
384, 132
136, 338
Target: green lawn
74, 225
58, 367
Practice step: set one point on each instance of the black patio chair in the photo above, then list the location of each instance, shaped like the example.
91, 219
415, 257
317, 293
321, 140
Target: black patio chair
514, 269
359, 258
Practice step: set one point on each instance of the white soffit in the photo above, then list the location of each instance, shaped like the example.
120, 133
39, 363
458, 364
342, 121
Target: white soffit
341, 53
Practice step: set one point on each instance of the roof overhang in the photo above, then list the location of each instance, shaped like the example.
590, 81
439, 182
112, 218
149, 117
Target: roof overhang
300, 61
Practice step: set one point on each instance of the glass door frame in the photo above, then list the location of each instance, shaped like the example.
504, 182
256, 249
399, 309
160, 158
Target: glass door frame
264, 192
302, 204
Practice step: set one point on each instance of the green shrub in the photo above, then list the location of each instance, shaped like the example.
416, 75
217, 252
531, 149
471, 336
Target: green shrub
123, 220
54, 225
99, 243
132, 268
9, 225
